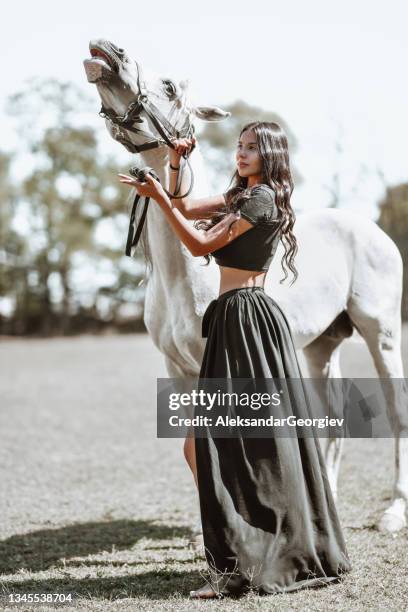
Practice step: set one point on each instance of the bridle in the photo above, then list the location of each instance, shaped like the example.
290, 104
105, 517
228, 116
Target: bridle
166, 131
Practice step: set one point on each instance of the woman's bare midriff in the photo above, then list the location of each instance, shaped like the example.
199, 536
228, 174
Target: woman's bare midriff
233, 278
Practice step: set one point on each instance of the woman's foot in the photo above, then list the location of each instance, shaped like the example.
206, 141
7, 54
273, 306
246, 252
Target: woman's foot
206, 592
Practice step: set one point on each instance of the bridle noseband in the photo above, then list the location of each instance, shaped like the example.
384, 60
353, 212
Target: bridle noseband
166, 132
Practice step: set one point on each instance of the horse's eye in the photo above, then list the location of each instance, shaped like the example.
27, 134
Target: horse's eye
169, 88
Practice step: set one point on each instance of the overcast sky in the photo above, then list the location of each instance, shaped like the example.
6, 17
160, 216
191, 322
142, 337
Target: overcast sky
327, 68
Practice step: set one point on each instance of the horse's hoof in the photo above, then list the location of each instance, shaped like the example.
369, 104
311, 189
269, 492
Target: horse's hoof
391, 522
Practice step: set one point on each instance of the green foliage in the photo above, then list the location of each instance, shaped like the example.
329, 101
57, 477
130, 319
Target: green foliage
66, 192
393, 219
10, 243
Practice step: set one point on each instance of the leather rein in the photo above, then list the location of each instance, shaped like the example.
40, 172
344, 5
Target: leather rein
166, 132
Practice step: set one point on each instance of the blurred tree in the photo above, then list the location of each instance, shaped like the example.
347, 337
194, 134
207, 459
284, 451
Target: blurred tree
393, 219
67, 190
219, 140
9, 240
16, 269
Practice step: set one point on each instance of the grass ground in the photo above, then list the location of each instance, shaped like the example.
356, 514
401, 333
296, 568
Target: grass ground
94, 504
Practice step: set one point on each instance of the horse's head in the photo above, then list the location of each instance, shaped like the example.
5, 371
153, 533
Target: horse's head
141, 110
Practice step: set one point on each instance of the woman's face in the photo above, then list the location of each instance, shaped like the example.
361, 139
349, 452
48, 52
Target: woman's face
249, 161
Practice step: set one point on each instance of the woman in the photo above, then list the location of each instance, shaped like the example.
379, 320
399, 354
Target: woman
268, 515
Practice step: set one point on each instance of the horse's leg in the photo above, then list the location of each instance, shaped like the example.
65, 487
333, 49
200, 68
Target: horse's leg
383, 338
323, 361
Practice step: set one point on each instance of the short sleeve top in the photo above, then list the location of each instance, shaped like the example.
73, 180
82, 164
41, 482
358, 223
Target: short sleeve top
255, 248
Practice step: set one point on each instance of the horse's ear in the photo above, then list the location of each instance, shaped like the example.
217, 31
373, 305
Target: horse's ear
210, 113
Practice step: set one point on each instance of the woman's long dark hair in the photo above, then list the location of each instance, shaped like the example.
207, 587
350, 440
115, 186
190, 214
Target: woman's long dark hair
273, 149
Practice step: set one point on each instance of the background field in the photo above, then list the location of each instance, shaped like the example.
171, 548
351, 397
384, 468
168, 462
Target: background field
93, 503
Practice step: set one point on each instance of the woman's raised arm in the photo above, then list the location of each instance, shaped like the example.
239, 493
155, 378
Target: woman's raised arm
191, 208
198, 242
202, 208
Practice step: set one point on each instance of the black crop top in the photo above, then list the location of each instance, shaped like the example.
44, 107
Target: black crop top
255, 248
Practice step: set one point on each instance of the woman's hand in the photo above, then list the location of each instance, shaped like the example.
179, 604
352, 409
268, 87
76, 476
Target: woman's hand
181, 146
184, 145
150, 189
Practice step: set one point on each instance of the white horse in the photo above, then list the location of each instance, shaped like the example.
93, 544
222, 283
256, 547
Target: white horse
350, 271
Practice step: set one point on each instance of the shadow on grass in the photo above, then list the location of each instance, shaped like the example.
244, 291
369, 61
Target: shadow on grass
42, 549
161, 584
112, 563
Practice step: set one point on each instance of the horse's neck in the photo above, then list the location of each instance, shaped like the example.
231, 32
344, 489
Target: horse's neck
176, 273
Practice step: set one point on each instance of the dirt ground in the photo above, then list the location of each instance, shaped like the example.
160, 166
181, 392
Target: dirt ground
93, 504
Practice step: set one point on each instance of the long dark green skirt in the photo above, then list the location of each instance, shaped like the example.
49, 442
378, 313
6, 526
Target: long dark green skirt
268, 516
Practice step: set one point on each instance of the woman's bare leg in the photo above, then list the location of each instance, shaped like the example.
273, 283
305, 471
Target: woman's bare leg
189, 453
206, 592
